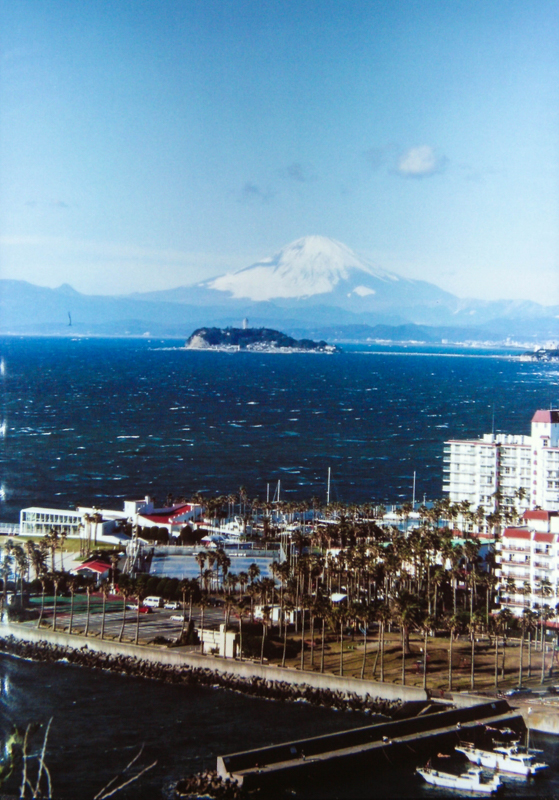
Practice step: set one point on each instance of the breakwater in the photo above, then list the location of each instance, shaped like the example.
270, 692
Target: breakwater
45, 651
380, 744
245, 671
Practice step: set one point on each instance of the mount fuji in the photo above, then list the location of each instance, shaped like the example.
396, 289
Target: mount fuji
316, 270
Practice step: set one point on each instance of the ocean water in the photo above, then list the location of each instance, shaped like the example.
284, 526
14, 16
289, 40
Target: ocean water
92, 421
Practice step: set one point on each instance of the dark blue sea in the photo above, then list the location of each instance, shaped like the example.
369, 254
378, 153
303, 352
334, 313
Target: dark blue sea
92, 421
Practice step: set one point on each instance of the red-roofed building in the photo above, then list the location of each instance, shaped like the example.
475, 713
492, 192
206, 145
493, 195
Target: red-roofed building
93, 569
527, 560
173, 518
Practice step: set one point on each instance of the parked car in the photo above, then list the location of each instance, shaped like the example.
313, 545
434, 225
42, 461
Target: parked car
520, 690
143, 609
172, 604
153, 601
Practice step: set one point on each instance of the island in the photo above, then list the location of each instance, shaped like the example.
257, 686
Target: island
259, 340
542, 354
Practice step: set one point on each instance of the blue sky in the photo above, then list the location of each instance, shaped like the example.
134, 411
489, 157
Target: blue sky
147, 145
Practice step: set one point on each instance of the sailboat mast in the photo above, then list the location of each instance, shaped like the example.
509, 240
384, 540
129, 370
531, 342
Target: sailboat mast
328, 488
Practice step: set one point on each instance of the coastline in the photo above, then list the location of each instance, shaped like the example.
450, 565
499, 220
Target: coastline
173, 666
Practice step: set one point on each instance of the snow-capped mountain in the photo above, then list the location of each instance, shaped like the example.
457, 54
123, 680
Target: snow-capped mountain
316, 270
309, 266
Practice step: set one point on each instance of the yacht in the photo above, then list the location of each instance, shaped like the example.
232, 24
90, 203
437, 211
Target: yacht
508, 758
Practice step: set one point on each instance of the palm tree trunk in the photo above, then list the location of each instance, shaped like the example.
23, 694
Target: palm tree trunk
54, 608
103, 616
542, 677
403, 658
71, 612
472, 664
262, 645
504, 655
529, 654
284, 644
425, 660
341, 648
382, 652
520, 658
137, 639
202, 631
241, 636
183, 624
450, 662
496, 660
42, 605
312, 641
322, 644
121, 634
86, 630
364, 653
302, 639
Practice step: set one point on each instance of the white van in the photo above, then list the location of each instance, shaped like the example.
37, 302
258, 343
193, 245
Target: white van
153, 602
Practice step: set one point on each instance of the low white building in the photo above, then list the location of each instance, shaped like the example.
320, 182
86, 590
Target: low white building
523, 470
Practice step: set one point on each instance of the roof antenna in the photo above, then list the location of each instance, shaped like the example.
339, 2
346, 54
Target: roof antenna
493, 421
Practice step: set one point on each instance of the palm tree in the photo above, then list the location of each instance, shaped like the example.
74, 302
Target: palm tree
288, 607
523, 623
241, 610
72, 586
451, 623
42, 579
545, 614
406, 612
265, 619
253, 572
426, 625
139, 594
203, 603
88, 588
125, 590
201, 559
383, 616
505, 617
105, 589
55, 577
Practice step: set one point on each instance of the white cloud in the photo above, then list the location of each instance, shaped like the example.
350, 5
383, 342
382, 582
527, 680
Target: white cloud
420, 162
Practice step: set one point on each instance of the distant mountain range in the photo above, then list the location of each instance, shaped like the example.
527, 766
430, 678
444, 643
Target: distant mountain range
303, 288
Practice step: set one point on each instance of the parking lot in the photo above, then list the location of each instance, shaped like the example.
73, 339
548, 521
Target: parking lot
155, 623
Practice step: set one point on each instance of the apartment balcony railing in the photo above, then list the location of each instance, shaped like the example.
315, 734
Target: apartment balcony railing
515, 574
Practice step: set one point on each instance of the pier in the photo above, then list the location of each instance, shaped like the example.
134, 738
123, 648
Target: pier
385, 744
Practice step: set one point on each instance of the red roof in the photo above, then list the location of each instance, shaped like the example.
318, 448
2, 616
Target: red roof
544, 537
546, 416
169, 515
516, 533
94, 566
539, 514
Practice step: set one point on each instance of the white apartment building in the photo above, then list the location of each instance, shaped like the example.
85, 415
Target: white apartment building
475, 469
527, 560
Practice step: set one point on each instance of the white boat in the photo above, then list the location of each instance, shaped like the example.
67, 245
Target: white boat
470, 781
508, 758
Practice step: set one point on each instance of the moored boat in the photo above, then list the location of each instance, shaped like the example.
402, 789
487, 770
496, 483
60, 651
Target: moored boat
470, 781
508, 758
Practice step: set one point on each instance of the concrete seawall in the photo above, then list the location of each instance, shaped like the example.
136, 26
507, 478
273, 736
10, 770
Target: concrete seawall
243, 669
